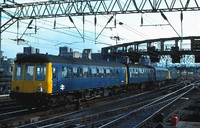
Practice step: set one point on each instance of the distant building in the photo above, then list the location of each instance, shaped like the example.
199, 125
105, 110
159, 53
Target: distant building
68, 52
76, 54
87, 53
31, 50
28, 51
65, 51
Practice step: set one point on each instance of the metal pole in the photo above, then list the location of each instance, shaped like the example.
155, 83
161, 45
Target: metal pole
181, 30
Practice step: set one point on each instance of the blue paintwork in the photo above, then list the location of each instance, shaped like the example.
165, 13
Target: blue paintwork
161, 73
173, 73
140, 74
73, 84
144, 74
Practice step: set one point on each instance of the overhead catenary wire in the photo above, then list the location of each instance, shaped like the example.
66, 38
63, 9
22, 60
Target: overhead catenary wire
128, 27
88, 38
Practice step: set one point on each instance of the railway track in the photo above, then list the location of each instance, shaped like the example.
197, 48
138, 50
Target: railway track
143, 112
103, 113
141, 116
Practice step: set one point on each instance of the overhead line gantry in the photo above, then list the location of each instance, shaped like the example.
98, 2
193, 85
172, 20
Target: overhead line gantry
67, 8
63, 8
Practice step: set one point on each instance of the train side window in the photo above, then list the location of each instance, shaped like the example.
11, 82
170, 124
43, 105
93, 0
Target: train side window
101, 72
98, 73
111, 72
107, 72
18, 72
117, 73
75, 72
70, 72
94, 72
81, 72
29, 70
64, 72
54, 72
85, 72
104, 72
90, 73
136, 72
130, 72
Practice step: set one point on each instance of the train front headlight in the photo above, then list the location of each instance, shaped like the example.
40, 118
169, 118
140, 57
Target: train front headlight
40, 89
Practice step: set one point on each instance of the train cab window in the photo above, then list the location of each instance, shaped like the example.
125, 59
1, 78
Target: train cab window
94, 72
64, 72
18, 72
40, 72
85, 72
117, 73
29, 70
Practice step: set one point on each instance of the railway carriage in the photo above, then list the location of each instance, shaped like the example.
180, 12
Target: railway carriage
140, 74
161, 73
41, 77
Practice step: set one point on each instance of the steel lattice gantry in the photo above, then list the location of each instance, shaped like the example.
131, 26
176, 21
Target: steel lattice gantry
61, 8
65, 8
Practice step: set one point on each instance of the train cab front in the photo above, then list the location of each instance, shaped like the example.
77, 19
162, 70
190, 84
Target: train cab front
31, 83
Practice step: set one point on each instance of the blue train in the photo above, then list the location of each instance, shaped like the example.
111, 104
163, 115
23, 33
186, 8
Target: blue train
49, 79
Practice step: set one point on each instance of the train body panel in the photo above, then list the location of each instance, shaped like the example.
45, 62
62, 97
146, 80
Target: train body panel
172, 73
140, 74
28, 78
161, 73
73, 77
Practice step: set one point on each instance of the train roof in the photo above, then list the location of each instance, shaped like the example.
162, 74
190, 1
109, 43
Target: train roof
140, 66
160, 68
45, 58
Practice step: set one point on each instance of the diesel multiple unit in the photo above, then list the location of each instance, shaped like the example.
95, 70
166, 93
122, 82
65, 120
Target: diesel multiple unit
48, 79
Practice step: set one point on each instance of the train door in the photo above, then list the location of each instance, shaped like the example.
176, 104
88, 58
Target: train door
55, 78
